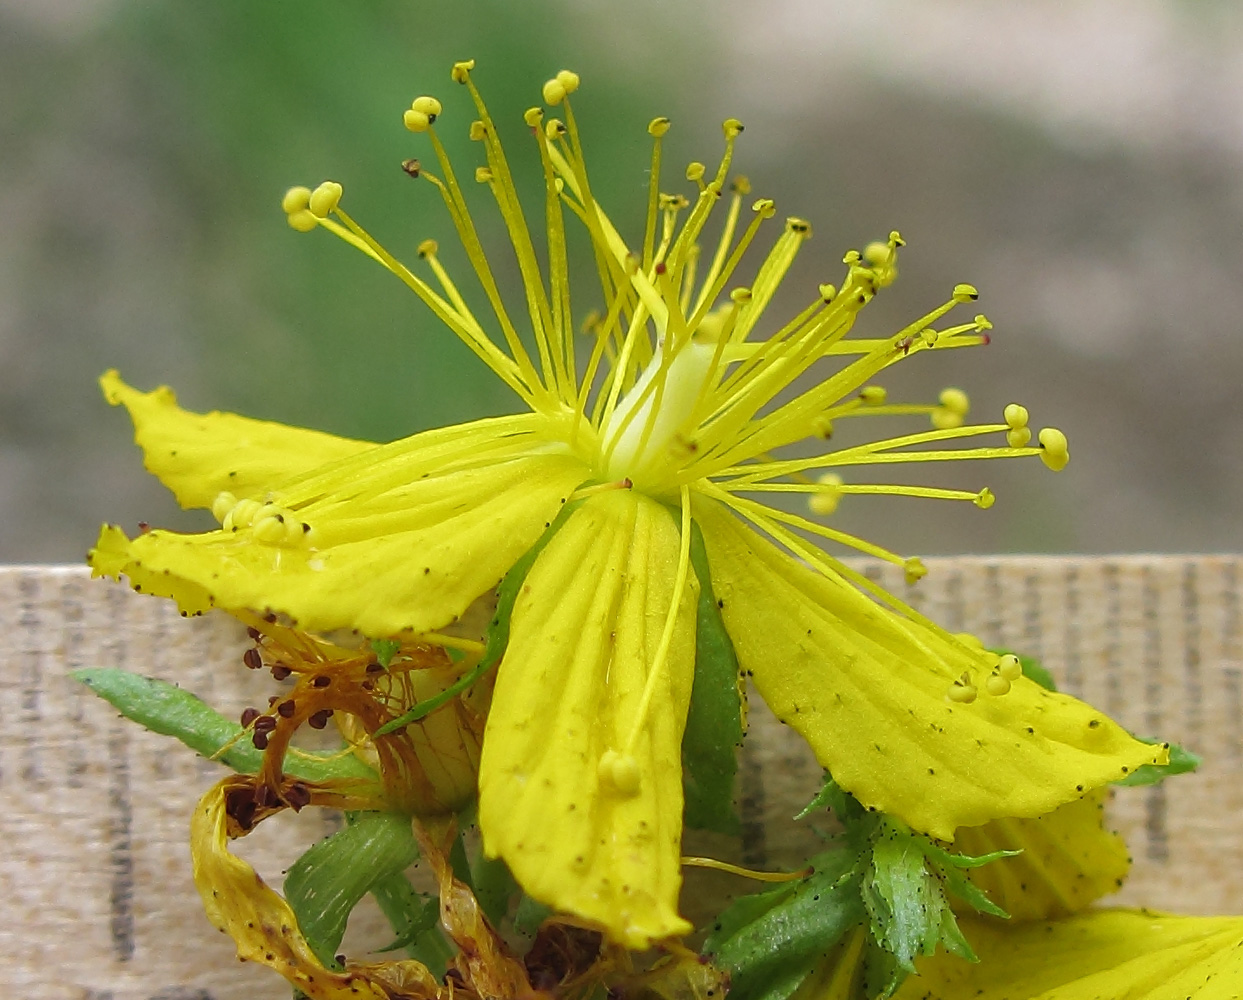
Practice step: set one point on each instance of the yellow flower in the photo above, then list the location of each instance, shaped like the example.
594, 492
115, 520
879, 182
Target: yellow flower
669, 421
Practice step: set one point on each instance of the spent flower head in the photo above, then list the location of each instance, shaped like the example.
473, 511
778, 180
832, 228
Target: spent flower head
662, 426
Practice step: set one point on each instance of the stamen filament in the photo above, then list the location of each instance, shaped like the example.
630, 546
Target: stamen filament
657, 670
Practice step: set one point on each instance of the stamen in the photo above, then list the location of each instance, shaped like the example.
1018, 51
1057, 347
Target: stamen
657, 671
751, 873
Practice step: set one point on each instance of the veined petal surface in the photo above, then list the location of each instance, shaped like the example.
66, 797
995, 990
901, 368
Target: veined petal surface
584, 633
867, 689
1118, 954
413, 563
200, 455
1068, 860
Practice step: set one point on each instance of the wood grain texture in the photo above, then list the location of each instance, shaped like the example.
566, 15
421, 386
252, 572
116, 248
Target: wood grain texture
95, 877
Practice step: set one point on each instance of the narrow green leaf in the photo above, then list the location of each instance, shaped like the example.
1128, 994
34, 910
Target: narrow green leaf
770, 954
497, 637
326, 883
714, 723
170, 711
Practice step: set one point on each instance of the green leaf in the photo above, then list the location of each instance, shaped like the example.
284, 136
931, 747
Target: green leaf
1182, 761
385, 650
714, 722
170, 711
497, 637
769, 942
326, 883
415, 919
494, 886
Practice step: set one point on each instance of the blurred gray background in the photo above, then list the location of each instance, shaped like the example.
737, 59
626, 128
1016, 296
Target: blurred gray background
1080, 163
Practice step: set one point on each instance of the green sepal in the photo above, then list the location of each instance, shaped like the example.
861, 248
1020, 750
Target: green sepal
494, 886
1182, 761
769, 942
714, 722
171, 711
326, 883
497, 636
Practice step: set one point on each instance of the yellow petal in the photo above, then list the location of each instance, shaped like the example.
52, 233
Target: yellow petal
111, 558
582, 641
415, 564
1069, 860
261, 923
868, 690
1118, 954
200, 455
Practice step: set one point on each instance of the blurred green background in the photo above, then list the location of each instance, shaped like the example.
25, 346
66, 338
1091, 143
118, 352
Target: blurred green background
1079, 163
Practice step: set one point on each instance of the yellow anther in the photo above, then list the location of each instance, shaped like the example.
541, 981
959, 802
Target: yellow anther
765, 207
461, 70
997, 685
483, 175
878, 254
416, 121
740, 185
621, 771
554, 92
658, 127
478, 131
302, 221
895, 239
822, 427
873, 395
965, 293
954, 406
739, 296
533, 116
732, 128
1009, 667
984, 499
673, 202
241, 515
221, 506
828, 293
554, 129
825, 501
324, 199
412, 167
956, 401
1055, 452
1015, 416
569, 81
296, 200
983, 323
962, 690
695, 171
1019, 437
270, 529
427, 105
914, 569
428, 248
796, 225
